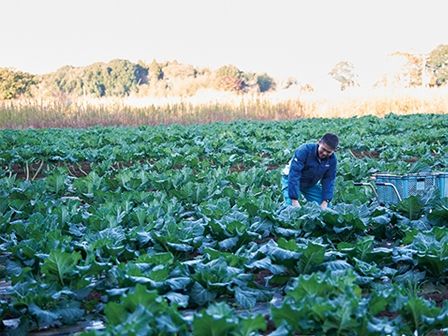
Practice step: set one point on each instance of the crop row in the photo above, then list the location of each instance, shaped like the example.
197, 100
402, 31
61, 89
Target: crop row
181, 230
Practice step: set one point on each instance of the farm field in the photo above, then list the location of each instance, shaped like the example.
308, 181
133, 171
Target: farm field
181, 230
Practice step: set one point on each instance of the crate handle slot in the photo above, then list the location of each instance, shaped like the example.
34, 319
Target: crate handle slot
387, 184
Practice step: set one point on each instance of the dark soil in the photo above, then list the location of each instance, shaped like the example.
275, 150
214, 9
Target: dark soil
360, 154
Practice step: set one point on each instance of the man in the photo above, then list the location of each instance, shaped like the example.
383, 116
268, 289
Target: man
311, 163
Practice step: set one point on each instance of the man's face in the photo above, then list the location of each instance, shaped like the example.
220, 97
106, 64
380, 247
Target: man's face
324, 151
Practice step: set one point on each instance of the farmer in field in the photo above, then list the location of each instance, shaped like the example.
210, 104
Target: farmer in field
311, 172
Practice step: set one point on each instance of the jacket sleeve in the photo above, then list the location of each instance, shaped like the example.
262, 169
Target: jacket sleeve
328, 182
295, 172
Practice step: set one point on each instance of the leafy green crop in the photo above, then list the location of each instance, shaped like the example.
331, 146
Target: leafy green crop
182, 230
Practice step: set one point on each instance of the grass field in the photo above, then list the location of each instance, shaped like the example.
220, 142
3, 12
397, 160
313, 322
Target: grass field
210, 106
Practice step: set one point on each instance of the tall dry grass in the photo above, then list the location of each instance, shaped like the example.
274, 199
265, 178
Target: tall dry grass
209, 106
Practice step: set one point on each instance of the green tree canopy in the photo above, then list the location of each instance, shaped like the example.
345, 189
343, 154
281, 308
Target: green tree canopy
437, 64
175, 69
115, 78
265, 82
121, 78
155, 72
15, 83
230, 78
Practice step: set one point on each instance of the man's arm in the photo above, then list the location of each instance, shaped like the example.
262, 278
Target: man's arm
328, 181
295, 172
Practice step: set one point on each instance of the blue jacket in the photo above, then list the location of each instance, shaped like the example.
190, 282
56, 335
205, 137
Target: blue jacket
306, 167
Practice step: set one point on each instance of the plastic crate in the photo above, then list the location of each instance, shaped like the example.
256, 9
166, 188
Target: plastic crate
442, 184
422, 184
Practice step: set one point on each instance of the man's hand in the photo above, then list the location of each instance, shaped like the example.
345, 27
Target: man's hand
324, 205
295, 203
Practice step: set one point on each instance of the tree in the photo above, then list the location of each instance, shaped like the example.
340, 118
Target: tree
155, 72
290, 81
413, 69
265, 82
177, 70
92, 79
437, 64
116, 78
120, 77
230, 78
15, 83
344, 73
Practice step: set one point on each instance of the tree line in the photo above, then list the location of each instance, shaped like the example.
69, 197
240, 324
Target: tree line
120, 78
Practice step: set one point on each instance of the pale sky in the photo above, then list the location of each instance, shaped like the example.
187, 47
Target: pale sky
297, 38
